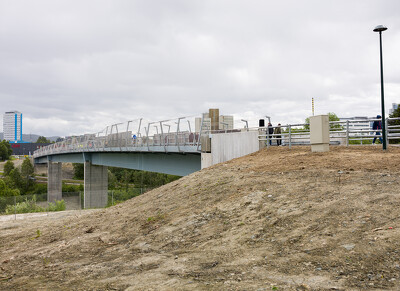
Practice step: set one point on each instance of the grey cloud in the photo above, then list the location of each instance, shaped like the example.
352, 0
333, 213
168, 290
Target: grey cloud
90, 63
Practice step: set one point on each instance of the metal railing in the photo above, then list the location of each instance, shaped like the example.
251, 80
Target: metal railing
135, 135
341, 132
178, 135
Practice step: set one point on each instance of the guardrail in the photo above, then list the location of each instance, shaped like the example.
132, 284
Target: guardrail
134, 135
341, 132
178, 135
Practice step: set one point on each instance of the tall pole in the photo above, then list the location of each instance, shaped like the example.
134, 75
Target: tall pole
312, 102
379, 29
382, 96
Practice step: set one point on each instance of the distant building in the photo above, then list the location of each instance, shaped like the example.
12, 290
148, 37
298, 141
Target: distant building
226, 122
206, 126
213, 122
25, 149
12, 126
394, 107
363, 124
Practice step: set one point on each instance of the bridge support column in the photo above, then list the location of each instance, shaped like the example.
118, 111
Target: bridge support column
54, 181
96, 186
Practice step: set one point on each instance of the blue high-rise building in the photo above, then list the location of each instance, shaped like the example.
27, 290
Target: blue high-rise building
12, 126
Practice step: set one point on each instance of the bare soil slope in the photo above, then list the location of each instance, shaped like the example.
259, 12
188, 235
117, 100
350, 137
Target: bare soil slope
278, 219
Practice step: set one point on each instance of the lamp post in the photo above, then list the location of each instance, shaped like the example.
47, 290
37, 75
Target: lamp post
379, 29
247, 124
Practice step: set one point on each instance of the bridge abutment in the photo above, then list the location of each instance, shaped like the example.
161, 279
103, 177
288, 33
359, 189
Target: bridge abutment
96, 185
54, 182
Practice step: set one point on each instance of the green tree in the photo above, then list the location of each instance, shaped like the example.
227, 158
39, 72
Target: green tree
332, 117
8, 167
8, 147
3, 152
27, 168
395, 114
3, 188
13, 192
16, 179
112, 180
79, 173
42, 139
27, 171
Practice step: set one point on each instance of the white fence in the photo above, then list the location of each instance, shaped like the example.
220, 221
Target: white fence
341, 132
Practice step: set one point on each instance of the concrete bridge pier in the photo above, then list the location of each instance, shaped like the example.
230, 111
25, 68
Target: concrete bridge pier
54, 182
96, 185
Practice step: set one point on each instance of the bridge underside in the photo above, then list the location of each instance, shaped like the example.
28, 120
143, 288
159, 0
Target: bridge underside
170, 163
96, 174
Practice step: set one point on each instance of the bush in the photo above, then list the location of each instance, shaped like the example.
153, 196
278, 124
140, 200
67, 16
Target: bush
27, 206
40, 189
119, 196
4, 202
56, 206
30, 206
71, 188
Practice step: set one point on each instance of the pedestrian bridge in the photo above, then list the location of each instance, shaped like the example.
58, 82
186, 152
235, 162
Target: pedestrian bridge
177, 147
170, 146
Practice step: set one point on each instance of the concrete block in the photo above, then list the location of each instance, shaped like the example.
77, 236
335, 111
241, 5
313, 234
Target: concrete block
206, 160
320, 147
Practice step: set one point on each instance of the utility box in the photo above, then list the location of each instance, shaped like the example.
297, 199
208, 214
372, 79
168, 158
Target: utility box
319, 133
205, 144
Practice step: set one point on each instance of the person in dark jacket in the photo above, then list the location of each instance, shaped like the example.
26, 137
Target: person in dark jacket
270, 132
377, 125
278, 136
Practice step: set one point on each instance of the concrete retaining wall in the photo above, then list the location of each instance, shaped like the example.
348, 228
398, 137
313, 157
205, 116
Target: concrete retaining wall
227, 146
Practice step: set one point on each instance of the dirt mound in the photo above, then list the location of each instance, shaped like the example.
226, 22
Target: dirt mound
278, 219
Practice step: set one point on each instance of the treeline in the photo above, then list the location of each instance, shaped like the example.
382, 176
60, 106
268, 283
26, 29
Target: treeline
5, 150
119, 178
17, 182
21, 181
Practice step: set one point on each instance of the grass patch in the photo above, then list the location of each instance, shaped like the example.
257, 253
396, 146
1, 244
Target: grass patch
156, 218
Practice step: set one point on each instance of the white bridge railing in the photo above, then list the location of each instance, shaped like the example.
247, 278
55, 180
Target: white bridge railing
178, 135
135, 135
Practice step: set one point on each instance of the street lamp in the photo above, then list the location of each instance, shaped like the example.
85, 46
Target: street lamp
247, 124
379, 29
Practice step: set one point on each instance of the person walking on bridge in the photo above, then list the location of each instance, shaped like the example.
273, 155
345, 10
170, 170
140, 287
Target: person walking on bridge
377, 125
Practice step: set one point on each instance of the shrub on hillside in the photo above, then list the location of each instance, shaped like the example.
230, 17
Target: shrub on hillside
56, 206
27, 206
30, 206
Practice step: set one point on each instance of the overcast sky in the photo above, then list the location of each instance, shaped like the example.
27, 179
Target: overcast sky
73, 67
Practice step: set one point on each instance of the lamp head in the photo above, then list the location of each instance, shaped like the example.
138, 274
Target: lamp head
380, 28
